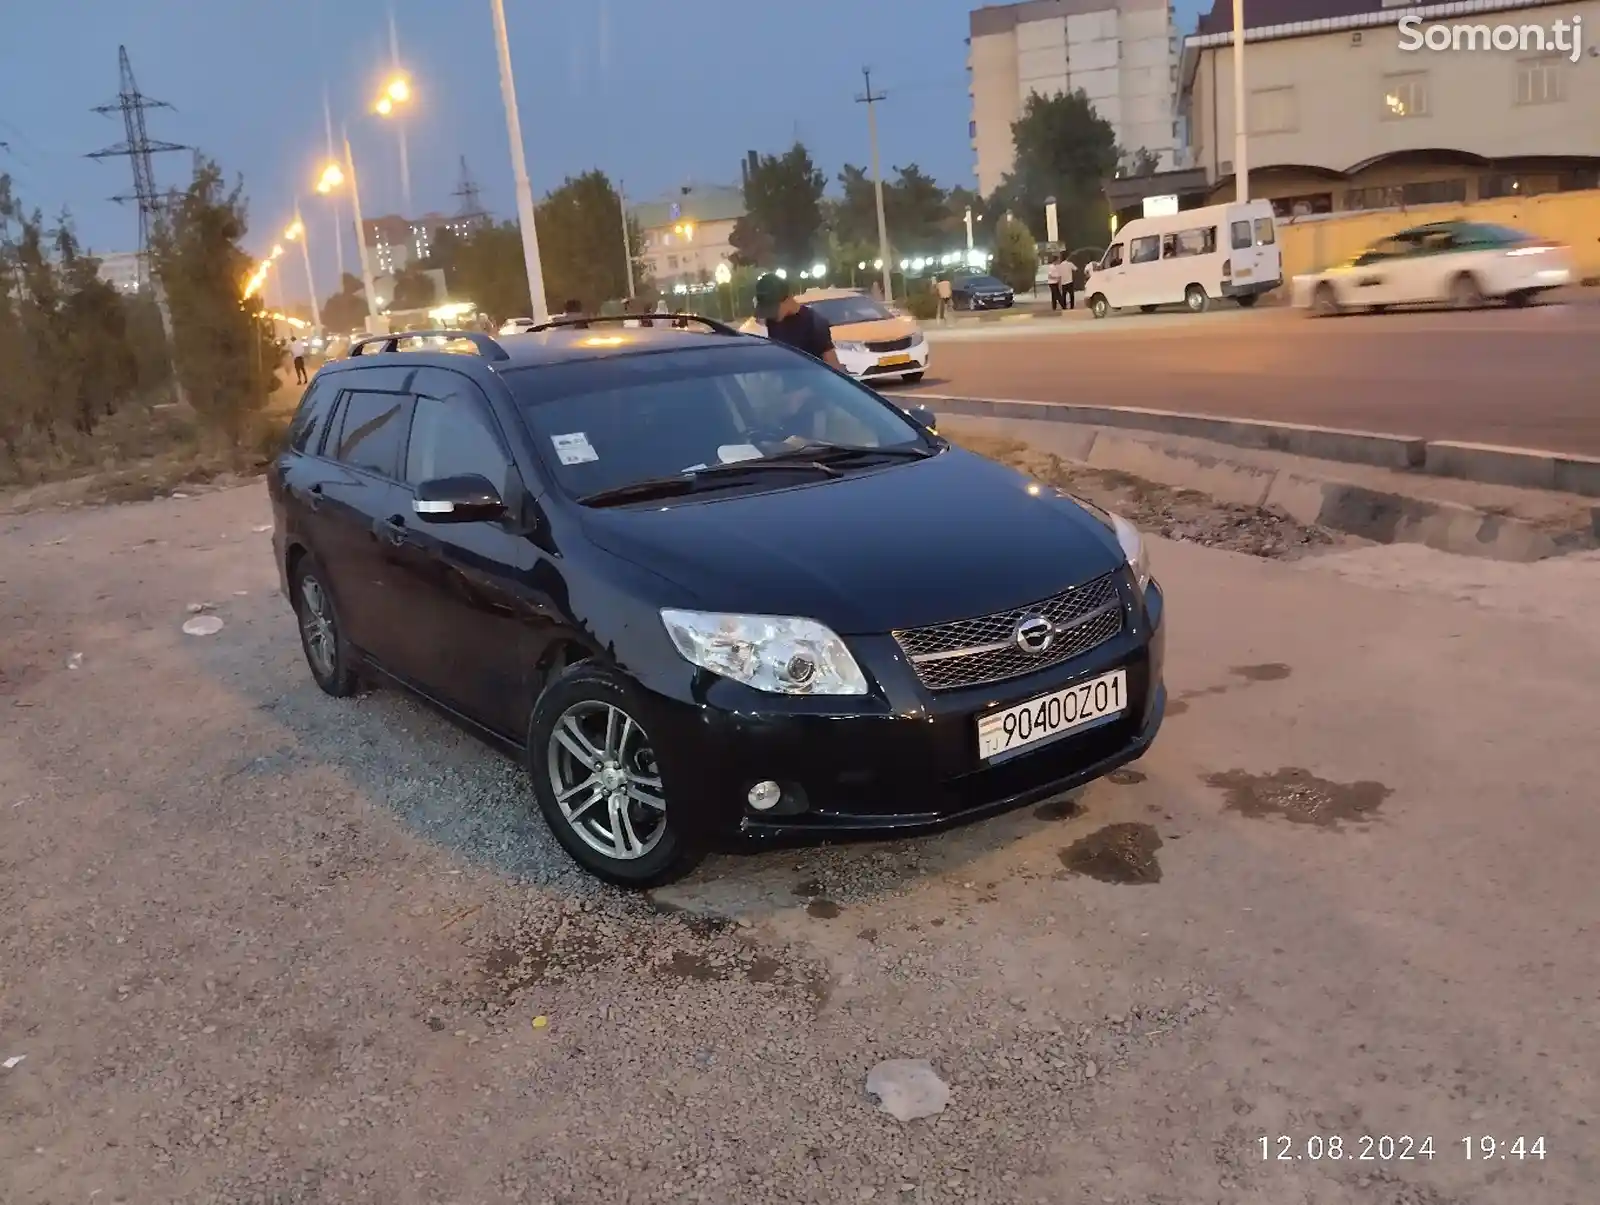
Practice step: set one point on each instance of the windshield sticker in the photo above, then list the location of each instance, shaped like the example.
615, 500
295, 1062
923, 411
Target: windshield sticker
574, 448
734, 453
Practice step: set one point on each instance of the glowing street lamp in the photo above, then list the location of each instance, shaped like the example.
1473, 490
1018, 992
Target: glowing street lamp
333, 177
296, 233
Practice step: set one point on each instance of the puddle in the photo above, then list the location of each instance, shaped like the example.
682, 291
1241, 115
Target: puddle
1126, 778
822, 909
1064, 808
1118, 853
1271, 671
1300, 797
809, 889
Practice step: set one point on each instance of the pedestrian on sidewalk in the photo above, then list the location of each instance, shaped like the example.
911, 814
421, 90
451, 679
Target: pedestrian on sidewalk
1052, 275
297, 350
945, 295
1069, 282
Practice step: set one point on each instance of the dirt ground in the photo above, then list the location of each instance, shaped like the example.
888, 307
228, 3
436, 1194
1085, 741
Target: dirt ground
262, 947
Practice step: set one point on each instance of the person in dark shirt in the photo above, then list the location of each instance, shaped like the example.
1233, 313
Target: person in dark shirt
574, 309
791, 323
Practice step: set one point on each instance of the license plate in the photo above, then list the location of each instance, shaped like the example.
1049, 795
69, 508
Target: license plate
1242, 273
1051, 715
891, 361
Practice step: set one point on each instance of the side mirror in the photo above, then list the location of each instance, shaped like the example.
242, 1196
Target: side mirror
468, 498
923, 417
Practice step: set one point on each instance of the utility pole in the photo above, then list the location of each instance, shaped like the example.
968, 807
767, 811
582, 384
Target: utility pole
870, 99
333, 200
519, 167
367, 284
400, 125
1241, 162
627, 237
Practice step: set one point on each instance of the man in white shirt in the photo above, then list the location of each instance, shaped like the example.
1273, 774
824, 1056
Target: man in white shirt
297, 349
1053, 276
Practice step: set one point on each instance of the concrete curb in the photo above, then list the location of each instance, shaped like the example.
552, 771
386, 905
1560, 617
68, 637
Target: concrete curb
1382, 516
1525, 467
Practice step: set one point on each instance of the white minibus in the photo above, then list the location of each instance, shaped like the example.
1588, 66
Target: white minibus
1189, 258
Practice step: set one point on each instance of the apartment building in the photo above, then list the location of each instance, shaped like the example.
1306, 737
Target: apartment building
1123, 54
396, 242
1360, 104
122, 270
685, 235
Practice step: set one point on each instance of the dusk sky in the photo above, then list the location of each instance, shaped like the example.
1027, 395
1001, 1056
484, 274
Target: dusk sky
657, 94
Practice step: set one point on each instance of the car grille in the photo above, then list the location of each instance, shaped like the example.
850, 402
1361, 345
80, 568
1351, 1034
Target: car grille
972, 652
899, 344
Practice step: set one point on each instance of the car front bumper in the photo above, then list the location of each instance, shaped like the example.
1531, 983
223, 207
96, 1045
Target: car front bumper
901, 761
868, 364
990, 301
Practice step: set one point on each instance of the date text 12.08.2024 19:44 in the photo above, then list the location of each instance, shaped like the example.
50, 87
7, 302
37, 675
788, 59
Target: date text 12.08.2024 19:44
1385, 1148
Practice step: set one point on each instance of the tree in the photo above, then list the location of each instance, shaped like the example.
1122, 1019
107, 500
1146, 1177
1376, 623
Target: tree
1145, 162
783, 201
581, 242
752, 246
346, 310
223, 353
1016, 255
1066, 151
413, 290
914, 208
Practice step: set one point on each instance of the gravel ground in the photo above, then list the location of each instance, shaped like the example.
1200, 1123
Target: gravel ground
262, 947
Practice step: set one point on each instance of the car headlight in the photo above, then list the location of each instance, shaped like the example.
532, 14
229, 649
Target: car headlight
846, 345
916, 339
1133, 548
774, 653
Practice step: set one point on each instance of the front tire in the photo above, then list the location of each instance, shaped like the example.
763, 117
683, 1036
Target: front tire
598, 782
329, 656
1099, 306
1195, 298
911, 378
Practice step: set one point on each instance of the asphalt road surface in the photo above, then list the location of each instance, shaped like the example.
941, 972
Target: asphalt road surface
263, 947
1523, 378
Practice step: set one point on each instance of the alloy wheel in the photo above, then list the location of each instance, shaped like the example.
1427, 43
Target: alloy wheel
604, 777
317, 627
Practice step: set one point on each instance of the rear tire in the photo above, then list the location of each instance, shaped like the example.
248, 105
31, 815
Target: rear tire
1194, 297
1465, 293
329, 657
1246, 300
1519, 299
1324, 301
598, 784
1099, 306
1147, 309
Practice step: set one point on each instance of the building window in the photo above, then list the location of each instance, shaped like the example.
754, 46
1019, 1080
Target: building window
1405, 96
1434, 192
1302, 206
1272, 111
1541, 81
1490, 187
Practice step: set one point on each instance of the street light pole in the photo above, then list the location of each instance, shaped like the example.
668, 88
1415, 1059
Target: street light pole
969, 227
367, 285
299, 228
627, 237
400, 125
519, 165
871, 101
1241, 162
338, 222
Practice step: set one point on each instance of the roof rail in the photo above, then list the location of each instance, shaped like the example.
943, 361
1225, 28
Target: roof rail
373, 345
672, 319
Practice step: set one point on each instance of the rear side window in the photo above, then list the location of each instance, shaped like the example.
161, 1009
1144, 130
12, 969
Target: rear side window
1241, 236
372, 430
306, 429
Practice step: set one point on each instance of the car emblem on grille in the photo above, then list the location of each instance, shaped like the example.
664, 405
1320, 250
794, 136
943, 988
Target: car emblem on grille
1034, 633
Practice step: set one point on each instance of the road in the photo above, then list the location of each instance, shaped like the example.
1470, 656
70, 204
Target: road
263, 947
1528, 378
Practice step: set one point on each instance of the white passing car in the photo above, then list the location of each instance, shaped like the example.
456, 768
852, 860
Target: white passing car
874, 342
1462, 264
517, 326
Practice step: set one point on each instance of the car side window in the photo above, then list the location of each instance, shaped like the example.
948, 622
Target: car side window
372, 430
1113, 257
1144, 250
449, 438
306, 429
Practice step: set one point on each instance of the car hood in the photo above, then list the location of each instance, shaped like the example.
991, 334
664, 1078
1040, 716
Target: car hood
952, 537
877, 331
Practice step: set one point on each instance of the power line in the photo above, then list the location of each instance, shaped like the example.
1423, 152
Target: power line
137, 147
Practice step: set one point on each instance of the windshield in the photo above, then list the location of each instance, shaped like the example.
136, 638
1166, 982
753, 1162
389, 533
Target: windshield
842, 311
608, 423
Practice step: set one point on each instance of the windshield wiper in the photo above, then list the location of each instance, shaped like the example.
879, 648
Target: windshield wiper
828, 453
691, 480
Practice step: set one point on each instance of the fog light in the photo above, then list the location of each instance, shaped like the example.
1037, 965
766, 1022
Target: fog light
765, 795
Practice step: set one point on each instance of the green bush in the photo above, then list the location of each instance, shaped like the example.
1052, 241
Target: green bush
922, 303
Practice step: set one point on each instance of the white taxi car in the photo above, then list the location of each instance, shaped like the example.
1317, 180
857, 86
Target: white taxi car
1462, 264
874, 342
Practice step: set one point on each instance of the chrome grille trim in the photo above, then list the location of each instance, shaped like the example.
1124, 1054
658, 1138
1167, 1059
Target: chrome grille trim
974, 652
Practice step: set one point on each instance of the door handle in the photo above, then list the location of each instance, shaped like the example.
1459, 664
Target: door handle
314, 496
393, 529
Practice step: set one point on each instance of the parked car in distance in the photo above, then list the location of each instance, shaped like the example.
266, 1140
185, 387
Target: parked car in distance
980, 291
1189, 258
872, 339
709, 591
1463, 264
